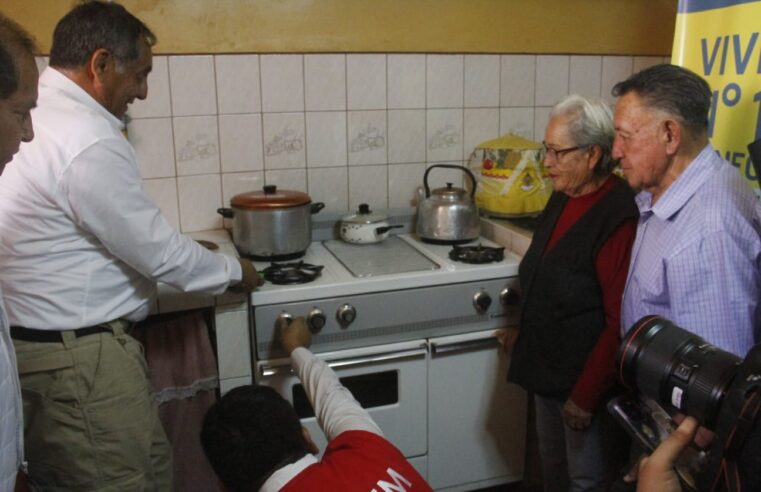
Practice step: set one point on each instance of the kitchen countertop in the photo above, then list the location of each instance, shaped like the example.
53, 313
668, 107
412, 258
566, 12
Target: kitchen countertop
509, 234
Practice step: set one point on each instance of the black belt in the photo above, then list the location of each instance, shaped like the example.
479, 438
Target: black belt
49, 336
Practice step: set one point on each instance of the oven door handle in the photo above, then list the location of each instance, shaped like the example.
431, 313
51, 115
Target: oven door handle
285, 367
440, 348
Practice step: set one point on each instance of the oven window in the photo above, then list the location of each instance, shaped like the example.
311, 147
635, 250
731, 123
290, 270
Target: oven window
370, 390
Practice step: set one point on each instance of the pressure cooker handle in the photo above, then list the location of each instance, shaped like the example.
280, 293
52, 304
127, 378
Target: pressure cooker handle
385, 229
451, 166
227, 213
316, 207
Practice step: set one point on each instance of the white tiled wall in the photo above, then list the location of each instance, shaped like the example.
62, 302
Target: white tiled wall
345, 128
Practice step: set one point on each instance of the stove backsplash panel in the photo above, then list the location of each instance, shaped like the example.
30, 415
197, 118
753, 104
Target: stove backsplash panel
345, 128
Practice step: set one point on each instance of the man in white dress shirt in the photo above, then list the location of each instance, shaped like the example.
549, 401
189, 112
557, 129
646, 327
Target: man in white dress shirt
18, 95
81, 250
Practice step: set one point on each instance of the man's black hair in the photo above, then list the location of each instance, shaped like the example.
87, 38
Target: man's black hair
14, 43
93, 25
250, 433
673, 89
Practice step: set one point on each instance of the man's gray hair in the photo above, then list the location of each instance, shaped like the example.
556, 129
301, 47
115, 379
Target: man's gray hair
95, 24
591, 123
676, 90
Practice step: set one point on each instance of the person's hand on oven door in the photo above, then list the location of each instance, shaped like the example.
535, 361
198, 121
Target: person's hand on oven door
507, 337
293, 333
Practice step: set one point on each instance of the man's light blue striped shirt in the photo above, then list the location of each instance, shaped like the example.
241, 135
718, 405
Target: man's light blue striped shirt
697, 254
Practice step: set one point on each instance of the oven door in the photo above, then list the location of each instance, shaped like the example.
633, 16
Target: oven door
389, 381
486, 420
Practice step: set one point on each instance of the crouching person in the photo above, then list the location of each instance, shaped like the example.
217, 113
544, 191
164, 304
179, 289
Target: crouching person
255, 442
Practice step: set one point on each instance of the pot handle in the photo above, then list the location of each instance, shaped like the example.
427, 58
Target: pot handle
316, 207
385, 229
451, 166
227, 213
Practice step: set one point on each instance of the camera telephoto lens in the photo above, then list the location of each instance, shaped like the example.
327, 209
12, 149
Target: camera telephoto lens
677, 368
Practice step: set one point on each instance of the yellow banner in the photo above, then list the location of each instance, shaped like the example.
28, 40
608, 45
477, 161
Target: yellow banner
719, 39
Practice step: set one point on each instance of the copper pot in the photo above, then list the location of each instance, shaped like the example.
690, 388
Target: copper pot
272, 224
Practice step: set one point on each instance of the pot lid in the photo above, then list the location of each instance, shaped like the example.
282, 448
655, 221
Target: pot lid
365, 216
270, 197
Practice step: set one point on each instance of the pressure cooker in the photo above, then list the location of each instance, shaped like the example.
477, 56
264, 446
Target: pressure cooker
365, 226
272, 224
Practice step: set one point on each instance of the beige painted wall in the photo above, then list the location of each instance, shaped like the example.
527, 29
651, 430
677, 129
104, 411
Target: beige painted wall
625, 27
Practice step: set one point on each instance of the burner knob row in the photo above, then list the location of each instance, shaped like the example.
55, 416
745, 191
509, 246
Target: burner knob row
316, 319
508, 297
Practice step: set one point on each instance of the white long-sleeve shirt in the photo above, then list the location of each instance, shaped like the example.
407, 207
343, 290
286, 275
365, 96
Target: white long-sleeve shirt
11, 426
80, 241
334, 406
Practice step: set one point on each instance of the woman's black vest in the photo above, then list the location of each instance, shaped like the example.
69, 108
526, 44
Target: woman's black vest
562, 313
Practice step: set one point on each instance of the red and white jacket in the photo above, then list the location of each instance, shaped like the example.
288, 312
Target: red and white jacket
358, 457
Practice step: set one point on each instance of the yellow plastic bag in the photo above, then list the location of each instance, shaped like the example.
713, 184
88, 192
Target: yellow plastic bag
512, 181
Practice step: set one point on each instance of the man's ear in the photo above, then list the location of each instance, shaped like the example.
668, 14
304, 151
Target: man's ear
311, 446
102, 63
672, 132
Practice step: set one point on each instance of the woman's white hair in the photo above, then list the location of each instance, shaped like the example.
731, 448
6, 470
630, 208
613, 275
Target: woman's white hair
591, 123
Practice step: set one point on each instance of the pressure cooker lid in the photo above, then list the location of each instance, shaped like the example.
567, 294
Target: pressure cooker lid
270, 197
364, 216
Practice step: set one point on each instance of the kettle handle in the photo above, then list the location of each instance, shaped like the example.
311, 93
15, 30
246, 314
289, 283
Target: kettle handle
451, 166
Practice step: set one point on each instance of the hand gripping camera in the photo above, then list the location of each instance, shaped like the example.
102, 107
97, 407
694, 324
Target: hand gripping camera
685, 374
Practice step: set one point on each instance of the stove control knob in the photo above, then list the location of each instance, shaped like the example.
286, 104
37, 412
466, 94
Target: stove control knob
509, 297
481, 301
316, 320
346, 314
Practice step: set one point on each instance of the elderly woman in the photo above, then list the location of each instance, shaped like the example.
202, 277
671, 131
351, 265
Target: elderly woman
572, 278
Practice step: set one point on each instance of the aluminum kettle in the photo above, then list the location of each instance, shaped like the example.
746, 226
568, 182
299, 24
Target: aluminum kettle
447, 215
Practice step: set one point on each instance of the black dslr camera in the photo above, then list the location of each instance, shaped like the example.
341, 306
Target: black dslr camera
670, 371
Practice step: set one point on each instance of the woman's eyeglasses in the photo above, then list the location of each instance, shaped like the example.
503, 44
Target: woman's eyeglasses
555, 153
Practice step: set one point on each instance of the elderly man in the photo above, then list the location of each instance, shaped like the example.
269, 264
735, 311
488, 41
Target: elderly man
18, 95
697, 253
81, 250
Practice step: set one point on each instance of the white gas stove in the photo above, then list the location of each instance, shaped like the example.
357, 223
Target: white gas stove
411, 333
399, 289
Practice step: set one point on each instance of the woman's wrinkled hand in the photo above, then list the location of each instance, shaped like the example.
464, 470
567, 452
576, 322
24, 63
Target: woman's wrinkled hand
507, 337
575, 417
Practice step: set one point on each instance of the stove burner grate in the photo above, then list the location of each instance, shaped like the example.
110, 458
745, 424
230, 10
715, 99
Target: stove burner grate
476, 254
291, 273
